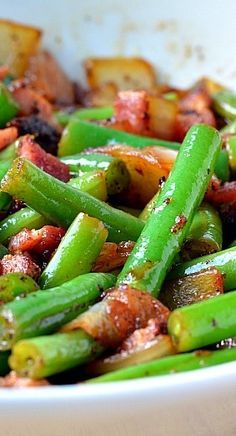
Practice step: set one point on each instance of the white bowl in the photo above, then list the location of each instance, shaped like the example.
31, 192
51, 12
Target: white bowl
184, 39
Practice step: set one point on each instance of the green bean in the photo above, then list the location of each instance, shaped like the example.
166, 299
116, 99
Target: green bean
61, 203
23, 218
76, 252
205, 233
203, 323
79, 135
231, 149
8, 106
43, 312
47, 355
116, 173
224, 103
170, 365
16, 285
9, 153
222, 169
172, 215
3, 251
94, 113
229, 128
93, 182
224, 261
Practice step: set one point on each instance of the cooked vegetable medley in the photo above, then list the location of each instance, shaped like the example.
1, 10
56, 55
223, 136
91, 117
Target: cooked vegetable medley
117, 220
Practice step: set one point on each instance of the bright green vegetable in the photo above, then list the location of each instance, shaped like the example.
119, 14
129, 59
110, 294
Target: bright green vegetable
61, 203
76, 252
222, 166
229, 128
23, 218
203, 323
47, 355
43, 312
16, 285
231, 149
3, 251
205, 233
94, 113
93, 182
224, 261
175, 205
170, 365
224, 103
116, 173
8, 106
79, 135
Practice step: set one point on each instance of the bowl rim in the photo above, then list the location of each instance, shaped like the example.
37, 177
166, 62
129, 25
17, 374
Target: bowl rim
190, 381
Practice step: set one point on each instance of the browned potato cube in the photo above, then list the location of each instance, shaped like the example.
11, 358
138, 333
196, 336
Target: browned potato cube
124, 73
162, 117
18, 43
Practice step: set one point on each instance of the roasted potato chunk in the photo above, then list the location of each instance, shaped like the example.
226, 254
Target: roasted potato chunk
124, 73
18, 43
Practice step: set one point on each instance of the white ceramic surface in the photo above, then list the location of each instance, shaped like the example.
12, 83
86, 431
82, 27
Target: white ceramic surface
185, 39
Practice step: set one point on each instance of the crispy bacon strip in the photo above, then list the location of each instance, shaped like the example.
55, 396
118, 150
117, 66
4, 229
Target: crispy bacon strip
223, 194
30, 150
39, 241
7, 136
122, 311
31, 102
142, 336
189, 117
19, 263
113, 256
131, 109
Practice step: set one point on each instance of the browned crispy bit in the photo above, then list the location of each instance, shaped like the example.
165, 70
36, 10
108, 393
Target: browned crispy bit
30, 150
19, 263
122, 311
113, 256
48, 79
39, 241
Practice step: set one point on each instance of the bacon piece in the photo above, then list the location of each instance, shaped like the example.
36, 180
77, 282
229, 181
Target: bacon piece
7, 136
122, 311
224, 194
140, 337
187, 118
19, 263
39, 241
48, 79
31, 102
113, 256
13, 381
4, 71
196, 99
131, 109
30, 150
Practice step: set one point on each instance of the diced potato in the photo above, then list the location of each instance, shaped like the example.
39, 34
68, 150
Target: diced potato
17, 43
162, 117
124, 73
103, 96
210, 85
